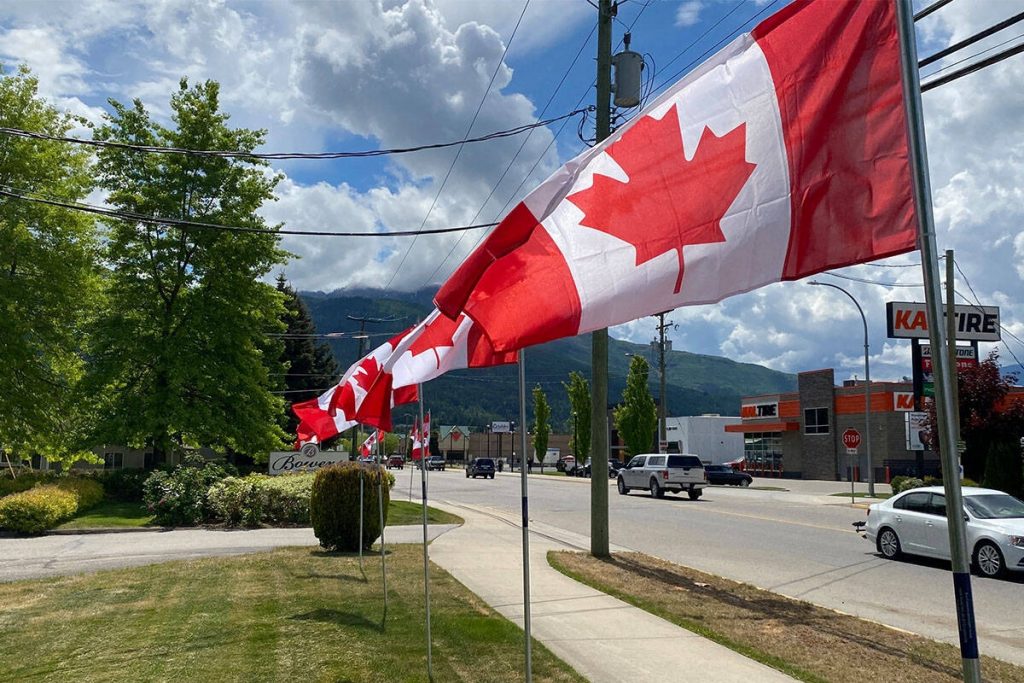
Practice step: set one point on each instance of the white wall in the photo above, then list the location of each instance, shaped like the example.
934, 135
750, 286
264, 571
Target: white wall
705, 435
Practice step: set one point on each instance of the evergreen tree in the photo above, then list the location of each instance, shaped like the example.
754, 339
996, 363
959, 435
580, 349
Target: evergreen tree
48, 278
182, 357
637, 418
1004, 467
310, 365
541, 426
578, 390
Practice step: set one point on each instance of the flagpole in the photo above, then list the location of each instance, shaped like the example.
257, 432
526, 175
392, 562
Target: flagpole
945, 405
359, 462
526, 516
382, 472
426, 556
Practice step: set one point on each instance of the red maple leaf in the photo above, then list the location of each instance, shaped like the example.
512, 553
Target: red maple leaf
437, 333
668, 202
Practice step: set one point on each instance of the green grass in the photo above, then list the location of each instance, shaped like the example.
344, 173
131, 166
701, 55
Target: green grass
402, 512
859, 494
294, 614
111, 513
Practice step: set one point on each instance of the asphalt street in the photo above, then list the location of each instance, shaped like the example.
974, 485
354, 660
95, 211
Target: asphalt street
799, 543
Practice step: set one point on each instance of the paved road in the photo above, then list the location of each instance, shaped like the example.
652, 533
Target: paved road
798, 543
32, 558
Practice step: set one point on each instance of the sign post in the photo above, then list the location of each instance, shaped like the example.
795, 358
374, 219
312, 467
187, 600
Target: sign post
851, 439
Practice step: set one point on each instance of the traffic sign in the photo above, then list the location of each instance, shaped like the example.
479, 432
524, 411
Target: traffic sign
851, 439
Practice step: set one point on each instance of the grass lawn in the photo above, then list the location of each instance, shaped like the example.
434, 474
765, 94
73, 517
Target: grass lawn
859, 494
116, 514
809, 643
294, 614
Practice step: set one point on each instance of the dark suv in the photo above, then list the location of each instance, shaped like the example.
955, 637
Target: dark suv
435, 462
480, 467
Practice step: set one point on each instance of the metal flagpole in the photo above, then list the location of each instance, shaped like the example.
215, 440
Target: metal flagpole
526, 516
944, 404
360, 515
426, 557
382, 473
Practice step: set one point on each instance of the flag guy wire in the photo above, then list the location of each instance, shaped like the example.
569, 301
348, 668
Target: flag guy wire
526, 513
359, 462
426, 556
945, 406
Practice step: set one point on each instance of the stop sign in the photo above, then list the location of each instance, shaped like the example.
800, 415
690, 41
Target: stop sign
851, 438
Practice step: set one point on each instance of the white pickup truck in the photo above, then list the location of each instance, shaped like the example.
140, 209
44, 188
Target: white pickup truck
660, 472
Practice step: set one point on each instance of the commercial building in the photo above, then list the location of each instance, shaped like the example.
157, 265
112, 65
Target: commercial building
799, 434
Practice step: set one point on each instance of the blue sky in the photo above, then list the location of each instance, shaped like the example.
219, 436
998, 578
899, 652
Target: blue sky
367, 74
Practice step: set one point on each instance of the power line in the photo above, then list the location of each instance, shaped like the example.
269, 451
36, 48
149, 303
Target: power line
931, 8
871, 282
518, 152
179, 223
156, 149
458, 153
976, 66
970, 40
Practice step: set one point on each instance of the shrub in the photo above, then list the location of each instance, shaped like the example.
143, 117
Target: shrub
23, 482
36, 510
237, 502
932, 481
909, 483
123, 485
287, 498
334, 505
87, 492
968, 482
178, 497
897, 483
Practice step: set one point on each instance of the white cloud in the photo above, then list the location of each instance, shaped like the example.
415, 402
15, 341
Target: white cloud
688, 13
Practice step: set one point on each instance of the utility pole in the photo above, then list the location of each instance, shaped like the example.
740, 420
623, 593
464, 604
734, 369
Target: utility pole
662, 408
599, 338
951, 342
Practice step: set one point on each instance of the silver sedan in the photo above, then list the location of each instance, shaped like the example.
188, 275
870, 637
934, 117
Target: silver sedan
914, 522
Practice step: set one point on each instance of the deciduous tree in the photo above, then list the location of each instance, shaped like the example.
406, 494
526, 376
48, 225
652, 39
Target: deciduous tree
578, 390
541, 424
48, 277
181, 356
636, 417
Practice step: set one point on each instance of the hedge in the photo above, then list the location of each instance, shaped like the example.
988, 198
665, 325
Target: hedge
334, 505
36, 510
23, 482
262, 499
179, 497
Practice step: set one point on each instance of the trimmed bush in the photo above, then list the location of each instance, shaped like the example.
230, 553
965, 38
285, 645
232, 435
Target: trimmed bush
178, 497
36, 510
124, 485
897, 483
909, 483
287, 498
88, 492
237, 502
334, 505
262, 499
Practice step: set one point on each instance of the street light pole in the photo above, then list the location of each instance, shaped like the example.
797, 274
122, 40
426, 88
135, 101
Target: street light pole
867, 389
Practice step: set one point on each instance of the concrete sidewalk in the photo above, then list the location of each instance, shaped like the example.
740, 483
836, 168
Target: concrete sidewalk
601, 637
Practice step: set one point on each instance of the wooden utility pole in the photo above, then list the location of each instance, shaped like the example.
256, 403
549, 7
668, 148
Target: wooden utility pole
599, 338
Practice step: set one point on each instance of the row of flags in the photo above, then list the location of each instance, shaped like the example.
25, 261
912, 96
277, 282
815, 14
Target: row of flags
784, 155
420, 439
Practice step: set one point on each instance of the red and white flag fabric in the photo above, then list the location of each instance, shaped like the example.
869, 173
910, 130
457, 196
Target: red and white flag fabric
338, 408
783, 155
435, 346
366, 450
416, 450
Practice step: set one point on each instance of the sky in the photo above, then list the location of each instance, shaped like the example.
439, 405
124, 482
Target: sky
374, 74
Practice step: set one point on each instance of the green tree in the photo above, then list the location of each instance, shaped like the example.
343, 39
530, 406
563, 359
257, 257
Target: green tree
392, 444
48, 277
541, 424
637, 418
578, 390
1004, 467
310, 365
181, 357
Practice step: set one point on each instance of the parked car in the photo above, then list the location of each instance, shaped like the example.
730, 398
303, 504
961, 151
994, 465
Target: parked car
723, 474
584, 470
480, 467
396, 462
435, 462
914, 523
565, 464
659, 472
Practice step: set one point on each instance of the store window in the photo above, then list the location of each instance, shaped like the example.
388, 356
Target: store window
762, 453
816, 421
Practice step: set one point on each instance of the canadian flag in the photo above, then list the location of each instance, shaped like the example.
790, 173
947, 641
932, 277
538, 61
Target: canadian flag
419, 443
783, 155
337, 409
435, 346
371, 443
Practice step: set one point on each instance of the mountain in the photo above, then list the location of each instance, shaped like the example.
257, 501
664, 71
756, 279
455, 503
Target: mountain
695, 383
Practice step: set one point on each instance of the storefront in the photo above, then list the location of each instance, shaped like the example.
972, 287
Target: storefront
798, 435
